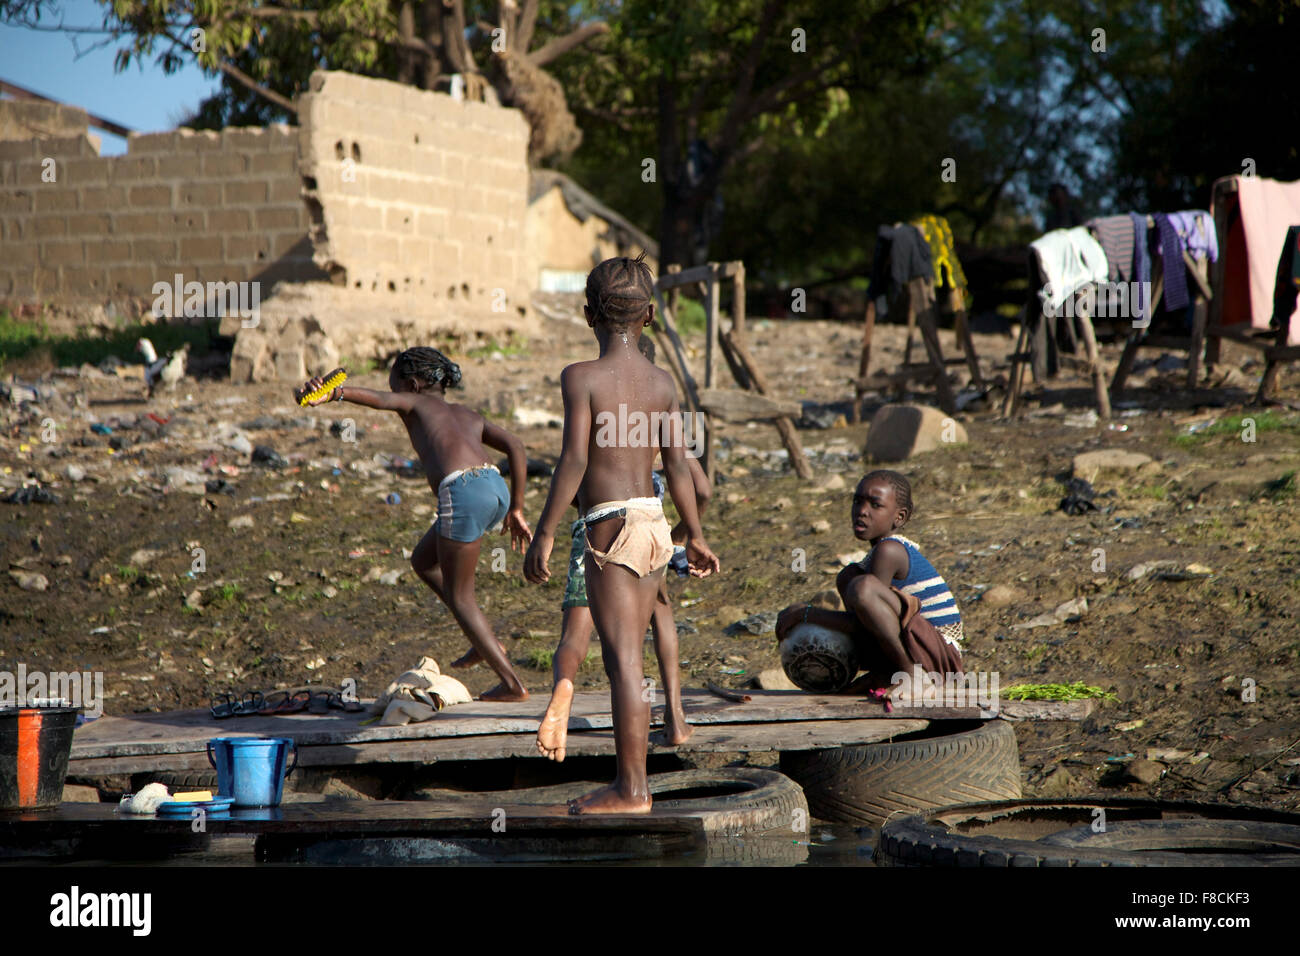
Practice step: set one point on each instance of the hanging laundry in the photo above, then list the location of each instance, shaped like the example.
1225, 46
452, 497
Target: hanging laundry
1141, 263
943, 251
1069, 259
901, 254
1115, 233
1195, 227
1251, 247
1171, 253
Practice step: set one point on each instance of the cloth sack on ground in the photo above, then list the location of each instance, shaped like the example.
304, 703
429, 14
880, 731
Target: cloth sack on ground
418, 694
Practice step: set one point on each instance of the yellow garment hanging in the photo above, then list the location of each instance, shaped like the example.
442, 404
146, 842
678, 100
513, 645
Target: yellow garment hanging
943, 251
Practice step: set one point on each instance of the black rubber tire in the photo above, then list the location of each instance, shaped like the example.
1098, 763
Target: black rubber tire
867, 784
1059, 833
751, 815
183, 780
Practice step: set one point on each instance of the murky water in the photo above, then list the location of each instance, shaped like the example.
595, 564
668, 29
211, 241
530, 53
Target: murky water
825, 845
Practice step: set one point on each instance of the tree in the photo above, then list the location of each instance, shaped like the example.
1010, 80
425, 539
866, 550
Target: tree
698, 88
267, 52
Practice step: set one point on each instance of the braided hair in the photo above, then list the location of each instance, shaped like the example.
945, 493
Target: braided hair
902, 487
427, 365
619, 291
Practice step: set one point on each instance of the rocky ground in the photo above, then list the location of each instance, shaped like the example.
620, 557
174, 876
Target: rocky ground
181, 568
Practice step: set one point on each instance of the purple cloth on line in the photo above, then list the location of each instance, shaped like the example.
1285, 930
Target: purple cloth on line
1171, 252
1195, 227
1141, 263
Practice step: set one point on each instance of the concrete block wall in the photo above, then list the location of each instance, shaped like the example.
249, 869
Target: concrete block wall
417, 192
211, 206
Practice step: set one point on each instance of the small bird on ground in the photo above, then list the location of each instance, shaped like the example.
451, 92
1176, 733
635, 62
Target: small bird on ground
166, 371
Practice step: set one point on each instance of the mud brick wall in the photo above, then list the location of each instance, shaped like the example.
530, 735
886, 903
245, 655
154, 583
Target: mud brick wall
417, 192
211, 206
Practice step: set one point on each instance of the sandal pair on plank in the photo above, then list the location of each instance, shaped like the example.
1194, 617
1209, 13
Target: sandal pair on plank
315, 700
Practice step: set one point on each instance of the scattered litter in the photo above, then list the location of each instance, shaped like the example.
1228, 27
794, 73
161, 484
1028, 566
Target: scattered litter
393, 498
1167, 754
1130, 725
538, 417
99, 429
1079, 497
32, 494
764, 622
243, 521
1064, 614
266, 455
74, 473
851, 557
1139, 571
1087, 419
1121, 758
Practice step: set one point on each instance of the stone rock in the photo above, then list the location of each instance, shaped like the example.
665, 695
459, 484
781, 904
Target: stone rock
30, 580
900, 431
1092, 463
835, 482
74, 473
320, 354
250, 360
1143, 771
77, 793
1056, 784
1139, 571
820, 526
1002, 595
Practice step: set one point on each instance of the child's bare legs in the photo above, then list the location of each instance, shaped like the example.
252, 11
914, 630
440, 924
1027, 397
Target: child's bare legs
676, 730
879, 610
575, 638
448, 568
425, 562
621, 605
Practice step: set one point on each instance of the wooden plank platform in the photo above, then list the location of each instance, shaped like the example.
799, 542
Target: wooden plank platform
459, 830
770, 721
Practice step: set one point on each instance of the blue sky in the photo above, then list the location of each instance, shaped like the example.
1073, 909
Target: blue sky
141, 98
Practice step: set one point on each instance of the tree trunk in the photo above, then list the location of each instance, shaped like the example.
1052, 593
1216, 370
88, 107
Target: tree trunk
406, 57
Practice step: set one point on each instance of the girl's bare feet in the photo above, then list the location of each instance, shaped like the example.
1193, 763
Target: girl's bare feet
676, 729
502, 693
554, 728
471, 657
610, 800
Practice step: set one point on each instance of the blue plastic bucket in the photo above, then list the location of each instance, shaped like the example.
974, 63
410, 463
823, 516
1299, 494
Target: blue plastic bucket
252, 769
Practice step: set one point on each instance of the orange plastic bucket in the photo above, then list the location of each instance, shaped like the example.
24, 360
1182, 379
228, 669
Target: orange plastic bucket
35, 743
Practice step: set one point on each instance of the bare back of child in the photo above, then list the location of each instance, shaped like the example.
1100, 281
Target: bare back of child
451, 442
619, 411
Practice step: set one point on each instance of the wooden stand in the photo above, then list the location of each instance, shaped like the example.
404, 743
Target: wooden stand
731, 344
1227, 210
1021, 356
918, 300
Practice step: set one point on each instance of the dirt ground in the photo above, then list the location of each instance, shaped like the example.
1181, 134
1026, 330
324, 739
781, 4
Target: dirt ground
295, 594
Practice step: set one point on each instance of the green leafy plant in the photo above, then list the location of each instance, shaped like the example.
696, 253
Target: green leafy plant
1076, 691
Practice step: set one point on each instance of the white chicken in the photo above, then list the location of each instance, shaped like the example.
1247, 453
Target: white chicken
167, 371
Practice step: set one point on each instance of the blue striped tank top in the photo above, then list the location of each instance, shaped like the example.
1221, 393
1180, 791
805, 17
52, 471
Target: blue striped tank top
938, 606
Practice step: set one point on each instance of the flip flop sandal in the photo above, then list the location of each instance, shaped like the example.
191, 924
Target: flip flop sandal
250, 705
337, 702
223, 706
274, 703
297, 702
318, 702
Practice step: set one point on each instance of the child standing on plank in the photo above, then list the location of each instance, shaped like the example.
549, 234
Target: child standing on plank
627, 539
576, 627
472, 497
898, 608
